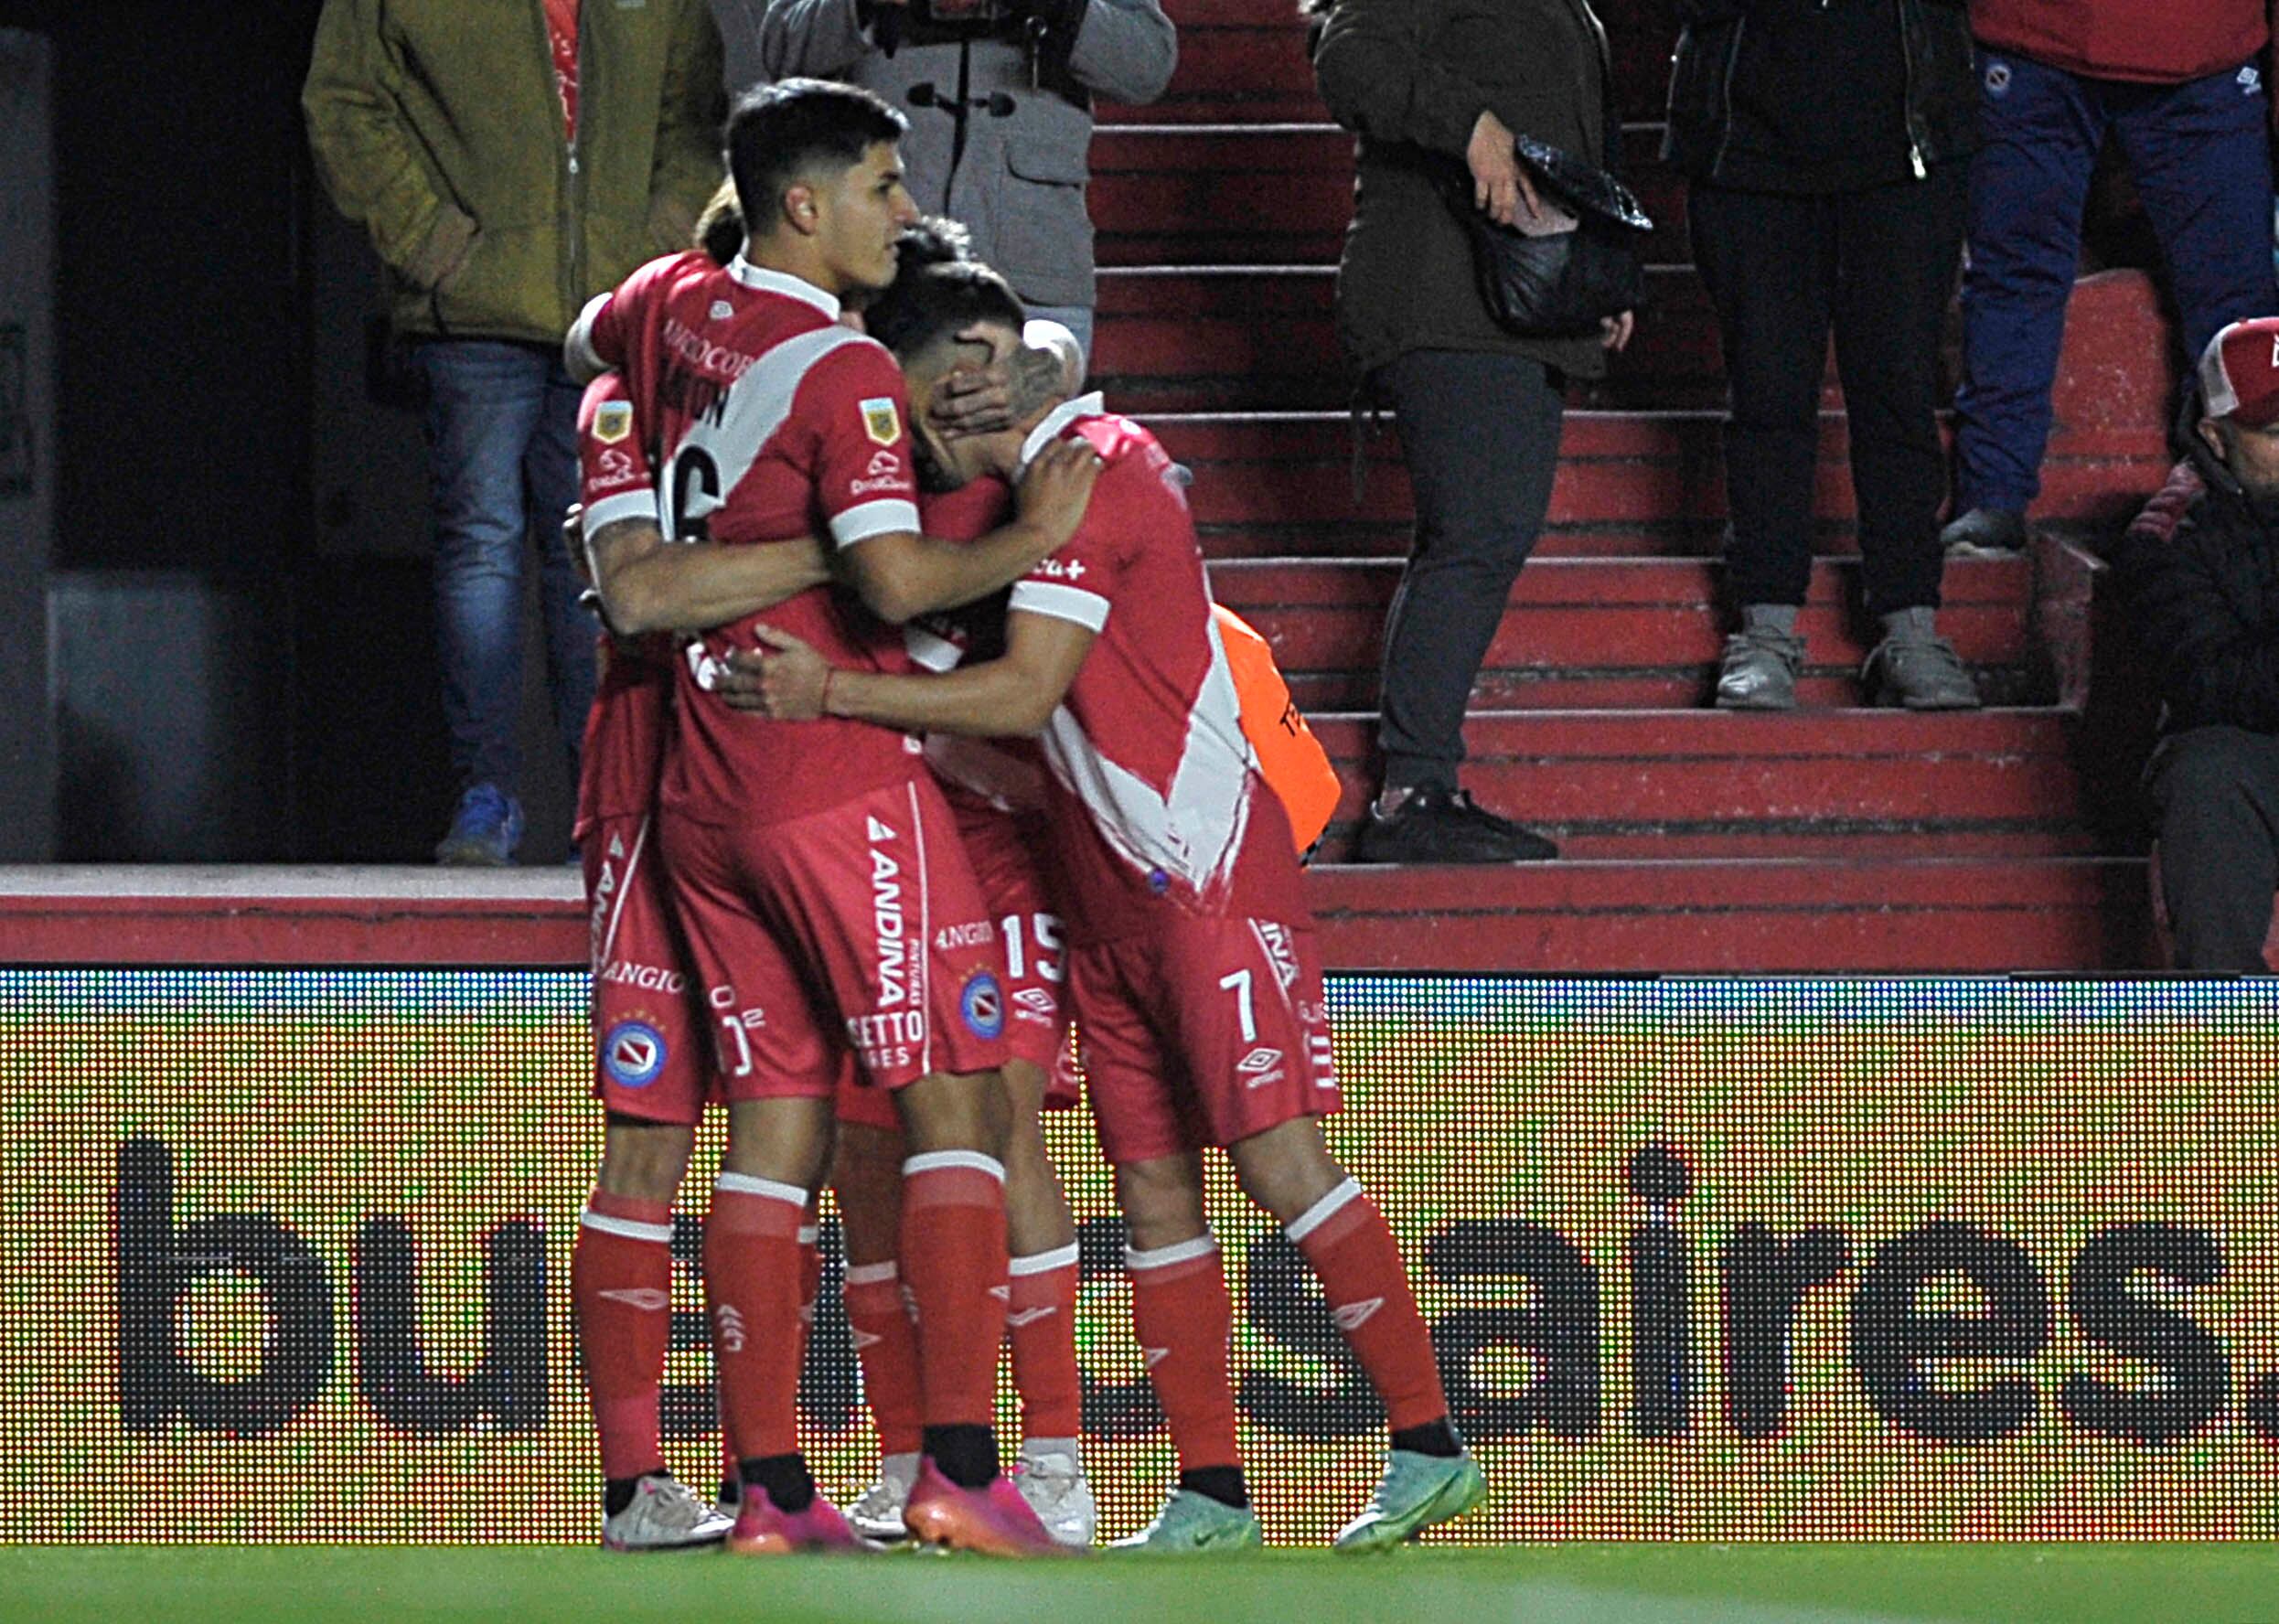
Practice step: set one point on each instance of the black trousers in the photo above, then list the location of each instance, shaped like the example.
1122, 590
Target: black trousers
1480, 432
1878, 266
2216, 789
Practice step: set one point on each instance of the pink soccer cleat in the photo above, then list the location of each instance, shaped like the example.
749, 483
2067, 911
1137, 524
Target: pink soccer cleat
763, 1530
995, 1521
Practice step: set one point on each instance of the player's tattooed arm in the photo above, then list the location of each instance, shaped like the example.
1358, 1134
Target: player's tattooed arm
901, 575
1047, 369
1012, 696
649, 585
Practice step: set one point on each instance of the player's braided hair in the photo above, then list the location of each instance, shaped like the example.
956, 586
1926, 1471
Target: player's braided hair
784, 131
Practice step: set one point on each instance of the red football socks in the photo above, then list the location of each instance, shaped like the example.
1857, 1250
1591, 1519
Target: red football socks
1040, 1324
1344, 1237
1183, 1316
953, 1255
886, 1345
753, 1279
621, 1282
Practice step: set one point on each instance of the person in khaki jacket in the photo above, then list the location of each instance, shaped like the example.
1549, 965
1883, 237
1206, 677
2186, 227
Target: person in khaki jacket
510, 159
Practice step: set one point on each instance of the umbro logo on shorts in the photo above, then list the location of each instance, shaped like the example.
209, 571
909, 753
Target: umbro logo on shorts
1020, 1317
1352, 1317
1155, 1356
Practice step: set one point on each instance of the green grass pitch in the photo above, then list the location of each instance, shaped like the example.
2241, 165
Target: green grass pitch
2163, 1584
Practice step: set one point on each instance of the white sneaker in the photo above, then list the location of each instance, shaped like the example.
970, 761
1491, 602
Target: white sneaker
664, 1516
877, 1516
1052, 1481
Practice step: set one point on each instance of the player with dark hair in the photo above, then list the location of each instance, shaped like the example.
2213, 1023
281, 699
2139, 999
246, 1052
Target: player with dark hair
817, 871
1191, 967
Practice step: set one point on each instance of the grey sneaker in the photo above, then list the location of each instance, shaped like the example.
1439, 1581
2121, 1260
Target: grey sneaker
1759, 671
1418, 1493
877, 1516
1052, 1482
1190, 1523
1920, 673
664, 1516
1985, 533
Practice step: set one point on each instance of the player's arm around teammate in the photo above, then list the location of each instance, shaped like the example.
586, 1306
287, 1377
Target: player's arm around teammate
1176, 1066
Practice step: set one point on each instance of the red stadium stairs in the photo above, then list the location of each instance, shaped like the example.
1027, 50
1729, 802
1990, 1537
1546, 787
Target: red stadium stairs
1833, 840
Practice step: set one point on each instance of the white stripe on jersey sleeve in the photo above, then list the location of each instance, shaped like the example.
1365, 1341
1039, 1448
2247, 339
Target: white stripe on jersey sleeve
579, 358
881, 517
1088, 610
625, 504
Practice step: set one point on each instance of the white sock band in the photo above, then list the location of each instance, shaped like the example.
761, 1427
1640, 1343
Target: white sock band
1045, 1263
1202, 1245
1323, 1211
768, 1188
936, 1160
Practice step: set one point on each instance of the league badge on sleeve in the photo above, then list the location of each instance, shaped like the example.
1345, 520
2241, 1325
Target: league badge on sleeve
879, 420
613, 420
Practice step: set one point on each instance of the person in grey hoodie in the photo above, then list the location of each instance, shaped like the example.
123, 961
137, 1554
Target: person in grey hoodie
999, 94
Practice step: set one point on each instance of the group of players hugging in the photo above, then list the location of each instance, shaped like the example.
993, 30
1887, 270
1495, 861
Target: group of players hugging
910, 746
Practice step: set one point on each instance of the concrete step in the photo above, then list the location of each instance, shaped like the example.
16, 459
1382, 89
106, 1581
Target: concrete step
1803, 915
1279, 194
1290, 476
1713, 773
1247, 59
1240, 337
1578, 630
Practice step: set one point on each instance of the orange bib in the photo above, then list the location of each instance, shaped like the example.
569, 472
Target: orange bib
1290, 756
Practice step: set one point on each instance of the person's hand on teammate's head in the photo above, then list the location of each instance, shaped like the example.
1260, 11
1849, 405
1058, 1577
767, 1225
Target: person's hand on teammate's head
1057, 489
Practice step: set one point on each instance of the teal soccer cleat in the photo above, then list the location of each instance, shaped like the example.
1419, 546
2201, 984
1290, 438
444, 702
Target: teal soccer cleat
1190, 1522
1417, 1493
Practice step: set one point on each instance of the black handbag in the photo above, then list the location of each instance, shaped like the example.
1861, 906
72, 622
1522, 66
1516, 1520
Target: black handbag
1562, 282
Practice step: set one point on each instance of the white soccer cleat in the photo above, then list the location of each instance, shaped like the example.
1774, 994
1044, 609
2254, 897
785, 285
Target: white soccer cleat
1053, 1482
665, 1515
877, 1516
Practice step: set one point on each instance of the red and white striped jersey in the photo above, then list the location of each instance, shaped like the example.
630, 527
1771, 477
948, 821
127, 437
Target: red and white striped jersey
767, 419
1158, 800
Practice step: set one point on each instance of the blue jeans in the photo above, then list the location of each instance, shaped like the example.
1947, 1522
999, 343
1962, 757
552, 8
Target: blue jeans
2200, 155
502, 422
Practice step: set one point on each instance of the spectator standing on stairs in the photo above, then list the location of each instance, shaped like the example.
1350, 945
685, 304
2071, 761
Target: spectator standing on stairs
1826, 146
1427, 85
2200, 580
998, 94
2180, 83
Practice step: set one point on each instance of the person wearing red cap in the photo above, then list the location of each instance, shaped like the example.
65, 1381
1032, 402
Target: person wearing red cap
2200, 574
2179, 87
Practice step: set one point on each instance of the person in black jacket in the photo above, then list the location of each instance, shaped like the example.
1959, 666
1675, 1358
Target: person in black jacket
1436, 90
2199, 578
1824, 142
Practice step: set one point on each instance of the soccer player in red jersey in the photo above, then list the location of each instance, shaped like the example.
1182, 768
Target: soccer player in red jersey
653, 1070
1191, 965
996, 793
815, 870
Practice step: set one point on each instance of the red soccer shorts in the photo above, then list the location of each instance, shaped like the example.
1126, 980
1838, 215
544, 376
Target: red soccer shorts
1203, 1033
859, 927
650, 1057
1007, 853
